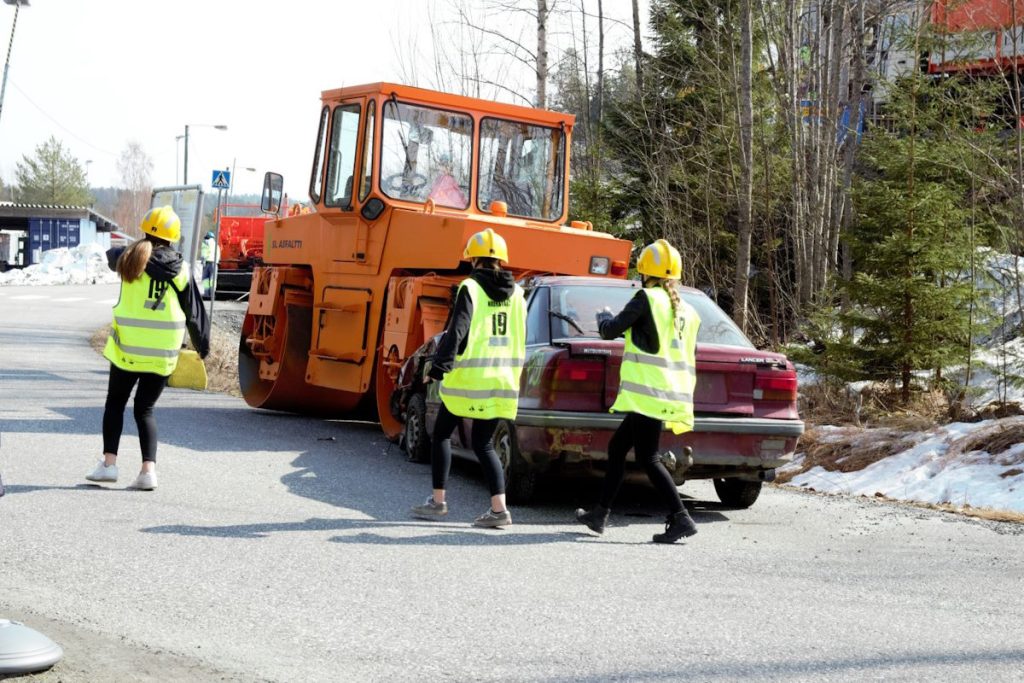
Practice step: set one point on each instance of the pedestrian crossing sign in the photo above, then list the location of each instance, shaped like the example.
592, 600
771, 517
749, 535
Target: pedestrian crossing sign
221, 180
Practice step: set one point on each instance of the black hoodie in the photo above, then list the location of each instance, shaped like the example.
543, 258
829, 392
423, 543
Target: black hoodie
163, 266
499, 286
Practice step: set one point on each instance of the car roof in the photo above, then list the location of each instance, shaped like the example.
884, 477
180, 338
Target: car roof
584, 281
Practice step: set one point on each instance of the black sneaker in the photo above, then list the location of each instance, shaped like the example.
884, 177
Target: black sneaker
596, 520
677, 525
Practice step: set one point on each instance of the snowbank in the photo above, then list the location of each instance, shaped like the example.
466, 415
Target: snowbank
938, 469
84, 264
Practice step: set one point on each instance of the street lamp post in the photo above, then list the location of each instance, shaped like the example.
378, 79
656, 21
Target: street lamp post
231, 183
203, 125
177, 157
7, 63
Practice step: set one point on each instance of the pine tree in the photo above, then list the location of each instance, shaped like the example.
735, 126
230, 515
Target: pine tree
911, 298
52, 176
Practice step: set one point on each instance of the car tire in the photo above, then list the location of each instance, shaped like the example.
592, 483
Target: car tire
520, 479
737, 493
416, 437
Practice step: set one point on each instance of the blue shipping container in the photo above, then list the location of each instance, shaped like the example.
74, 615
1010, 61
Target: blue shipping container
51, 233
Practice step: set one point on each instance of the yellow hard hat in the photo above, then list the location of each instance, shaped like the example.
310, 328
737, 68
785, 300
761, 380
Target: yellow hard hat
162, 222
487, 244
660, 259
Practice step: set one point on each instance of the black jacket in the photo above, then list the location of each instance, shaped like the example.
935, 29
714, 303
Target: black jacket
163, 266
499, 285
636, 315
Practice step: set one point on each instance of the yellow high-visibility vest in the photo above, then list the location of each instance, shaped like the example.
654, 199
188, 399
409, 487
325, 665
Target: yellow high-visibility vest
484, 380
149, 326
660, 385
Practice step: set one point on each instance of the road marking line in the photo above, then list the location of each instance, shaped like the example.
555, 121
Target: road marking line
26, 297
72, 298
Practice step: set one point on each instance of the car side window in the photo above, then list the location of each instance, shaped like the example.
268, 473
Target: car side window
537, 319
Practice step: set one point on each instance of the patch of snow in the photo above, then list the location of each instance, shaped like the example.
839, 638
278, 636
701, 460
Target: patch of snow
933, 471
84, 264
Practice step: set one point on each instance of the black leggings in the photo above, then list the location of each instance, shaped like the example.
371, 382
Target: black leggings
642, 434
118, 391
441, 450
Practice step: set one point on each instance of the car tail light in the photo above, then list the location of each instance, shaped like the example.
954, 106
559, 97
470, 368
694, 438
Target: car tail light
775, 386
578, 375
619, 267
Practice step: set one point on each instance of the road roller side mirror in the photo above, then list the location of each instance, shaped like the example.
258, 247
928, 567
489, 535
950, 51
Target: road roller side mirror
273, 188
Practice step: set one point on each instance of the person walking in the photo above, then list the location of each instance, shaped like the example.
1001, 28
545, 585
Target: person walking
656, 384
157, 303
209, 254
478, 362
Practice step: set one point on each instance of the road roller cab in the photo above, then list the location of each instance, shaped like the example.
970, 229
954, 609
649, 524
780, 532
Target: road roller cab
401, 177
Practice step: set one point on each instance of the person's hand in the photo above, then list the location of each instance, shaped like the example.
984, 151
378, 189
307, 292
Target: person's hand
604, 315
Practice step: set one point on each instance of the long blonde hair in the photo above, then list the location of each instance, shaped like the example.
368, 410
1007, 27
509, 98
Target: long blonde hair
671, 288
132, 263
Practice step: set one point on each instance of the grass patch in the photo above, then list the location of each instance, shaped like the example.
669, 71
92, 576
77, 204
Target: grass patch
849, 449
994, 439
221, 364
834, 403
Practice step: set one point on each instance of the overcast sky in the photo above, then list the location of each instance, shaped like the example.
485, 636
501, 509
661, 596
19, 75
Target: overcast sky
97, 74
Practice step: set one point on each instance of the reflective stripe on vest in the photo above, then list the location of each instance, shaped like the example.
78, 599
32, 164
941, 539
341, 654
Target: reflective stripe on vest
148, 326
660, 385
484, 379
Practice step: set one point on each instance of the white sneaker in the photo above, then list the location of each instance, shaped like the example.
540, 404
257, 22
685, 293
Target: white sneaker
103, 473
146, 481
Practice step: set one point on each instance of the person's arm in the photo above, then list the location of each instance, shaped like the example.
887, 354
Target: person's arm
454, 335
612, 327
113, 254
197, 322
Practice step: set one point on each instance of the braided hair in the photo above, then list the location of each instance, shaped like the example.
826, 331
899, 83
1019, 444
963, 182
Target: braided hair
671, 288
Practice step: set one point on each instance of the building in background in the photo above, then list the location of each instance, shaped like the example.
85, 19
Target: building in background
27, 230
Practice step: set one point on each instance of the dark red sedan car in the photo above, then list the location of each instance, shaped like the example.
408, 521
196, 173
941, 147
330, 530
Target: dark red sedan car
745, 401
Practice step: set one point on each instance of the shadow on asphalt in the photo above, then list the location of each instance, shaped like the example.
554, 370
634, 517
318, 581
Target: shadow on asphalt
351, 465
29, 488
341, 480
200, 427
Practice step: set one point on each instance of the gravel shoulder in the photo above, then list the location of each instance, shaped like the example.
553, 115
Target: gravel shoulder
93, 656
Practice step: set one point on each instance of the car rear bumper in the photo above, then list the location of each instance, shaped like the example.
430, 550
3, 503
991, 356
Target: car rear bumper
722, 446
723, 425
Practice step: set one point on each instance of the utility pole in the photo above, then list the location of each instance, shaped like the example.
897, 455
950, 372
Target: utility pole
7, 63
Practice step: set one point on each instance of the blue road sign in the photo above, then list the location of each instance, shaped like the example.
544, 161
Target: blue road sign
221, 180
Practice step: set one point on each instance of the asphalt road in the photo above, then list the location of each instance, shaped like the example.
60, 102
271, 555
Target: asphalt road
279, 548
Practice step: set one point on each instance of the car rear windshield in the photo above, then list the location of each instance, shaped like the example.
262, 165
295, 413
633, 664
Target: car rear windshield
583, 303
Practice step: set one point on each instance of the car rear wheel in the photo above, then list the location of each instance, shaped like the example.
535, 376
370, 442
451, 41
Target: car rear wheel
736, 493
520, 480
417, 440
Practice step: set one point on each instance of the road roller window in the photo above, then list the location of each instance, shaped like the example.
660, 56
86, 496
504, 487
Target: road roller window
316, 182
426, 154
364, 187
522, 165
342, 164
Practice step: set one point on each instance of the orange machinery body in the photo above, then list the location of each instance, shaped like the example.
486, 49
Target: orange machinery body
360, 295
240, 236
992, 30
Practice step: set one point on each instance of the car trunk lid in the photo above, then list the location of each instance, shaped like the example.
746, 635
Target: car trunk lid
730, 380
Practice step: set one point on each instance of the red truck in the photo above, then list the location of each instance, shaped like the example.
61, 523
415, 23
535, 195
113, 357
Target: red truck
240, 237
